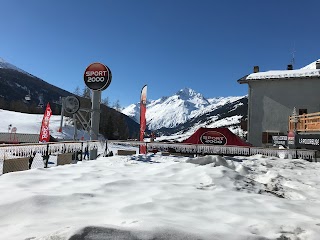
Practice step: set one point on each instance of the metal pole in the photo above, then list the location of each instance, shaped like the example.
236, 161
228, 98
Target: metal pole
95, 120
46, 157
81, 151
62, 113
75, 132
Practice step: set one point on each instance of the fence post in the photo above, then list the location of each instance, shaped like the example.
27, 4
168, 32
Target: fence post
81, 151
197, 150
30, 161
46, 157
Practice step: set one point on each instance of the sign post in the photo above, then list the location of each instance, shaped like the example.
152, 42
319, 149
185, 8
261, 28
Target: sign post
292, 135
95, 115
97, 77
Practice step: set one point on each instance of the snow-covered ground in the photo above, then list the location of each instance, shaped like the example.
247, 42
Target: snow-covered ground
159, 197
31, 123
164, 197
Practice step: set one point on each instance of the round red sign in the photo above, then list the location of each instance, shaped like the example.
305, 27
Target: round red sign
213, 137
97, 76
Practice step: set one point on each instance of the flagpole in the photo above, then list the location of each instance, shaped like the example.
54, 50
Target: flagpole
143, 108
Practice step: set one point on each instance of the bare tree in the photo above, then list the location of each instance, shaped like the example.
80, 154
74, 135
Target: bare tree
77, 91
86, 92
105, 101
116, 105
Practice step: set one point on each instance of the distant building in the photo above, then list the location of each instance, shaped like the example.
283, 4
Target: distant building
15, 138
18, 138
273, 95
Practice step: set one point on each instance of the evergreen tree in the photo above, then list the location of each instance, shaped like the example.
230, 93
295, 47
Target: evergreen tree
3, 103
110, 128
122, 130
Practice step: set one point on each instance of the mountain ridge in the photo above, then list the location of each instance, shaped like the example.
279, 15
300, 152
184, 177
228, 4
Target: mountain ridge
6, 65
187, 109
16, 85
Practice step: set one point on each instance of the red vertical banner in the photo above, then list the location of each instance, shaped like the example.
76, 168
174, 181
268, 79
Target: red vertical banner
143, 123
44, 131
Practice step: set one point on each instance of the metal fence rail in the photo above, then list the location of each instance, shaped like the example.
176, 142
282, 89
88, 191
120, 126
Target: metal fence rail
224, 150
27, 156
19, 157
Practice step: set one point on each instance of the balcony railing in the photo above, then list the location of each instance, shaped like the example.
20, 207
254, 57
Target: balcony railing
305, 123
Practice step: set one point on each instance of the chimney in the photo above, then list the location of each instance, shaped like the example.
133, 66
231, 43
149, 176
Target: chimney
318, 64
289, 67
256, 69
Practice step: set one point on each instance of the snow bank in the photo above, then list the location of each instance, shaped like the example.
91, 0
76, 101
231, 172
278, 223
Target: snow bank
164, 197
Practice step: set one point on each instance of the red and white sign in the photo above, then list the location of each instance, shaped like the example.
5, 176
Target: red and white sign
97, 76
213, 137
143, 123
44, 131
291, 138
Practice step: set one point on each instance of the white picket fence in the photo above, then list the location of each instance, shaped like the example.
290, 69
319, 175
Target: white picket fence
222, 150
8, 152
20, 157
28, 150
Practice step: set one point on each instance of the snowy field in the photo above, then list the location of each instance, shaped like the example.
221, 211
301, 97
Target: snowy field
31, 123
164, 197
157, 197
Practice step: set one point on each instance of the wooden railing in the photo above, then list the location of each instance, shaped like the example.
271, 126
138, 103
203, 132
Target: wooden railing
305, 123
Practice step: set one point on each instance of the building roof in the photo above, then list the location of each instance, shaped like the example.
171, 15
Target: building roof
308, 71
18, 138
281, 74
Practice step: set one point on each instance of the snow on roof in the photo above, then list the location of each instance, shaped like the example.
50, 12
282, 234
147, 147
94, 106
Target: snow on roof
311, 65
280, 74
308, 71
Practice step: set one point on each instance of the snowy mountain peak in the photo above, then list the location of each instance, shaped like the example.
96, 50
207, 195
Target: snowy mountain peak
187, 92
170, 112
191, 96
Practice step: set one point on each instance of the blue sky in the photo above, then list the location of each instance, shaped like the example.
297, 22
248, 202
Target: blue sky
169, 44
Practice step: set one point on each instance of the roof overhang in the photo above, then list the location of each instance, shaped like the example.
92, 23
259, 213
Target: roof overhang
281, 75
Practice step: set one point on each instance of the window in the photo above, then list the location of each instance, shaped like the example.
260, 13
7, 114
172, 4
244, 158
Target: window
244, 124
303, 111
267, 136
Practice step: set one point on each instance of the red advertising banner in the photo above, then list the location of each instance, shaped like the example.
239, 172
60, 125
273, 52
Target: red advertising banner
215, 136
44, 131
143, 123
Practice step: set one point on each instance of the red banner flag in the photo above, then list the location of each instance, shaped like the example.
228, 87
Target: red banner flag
143, 123
44, 131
